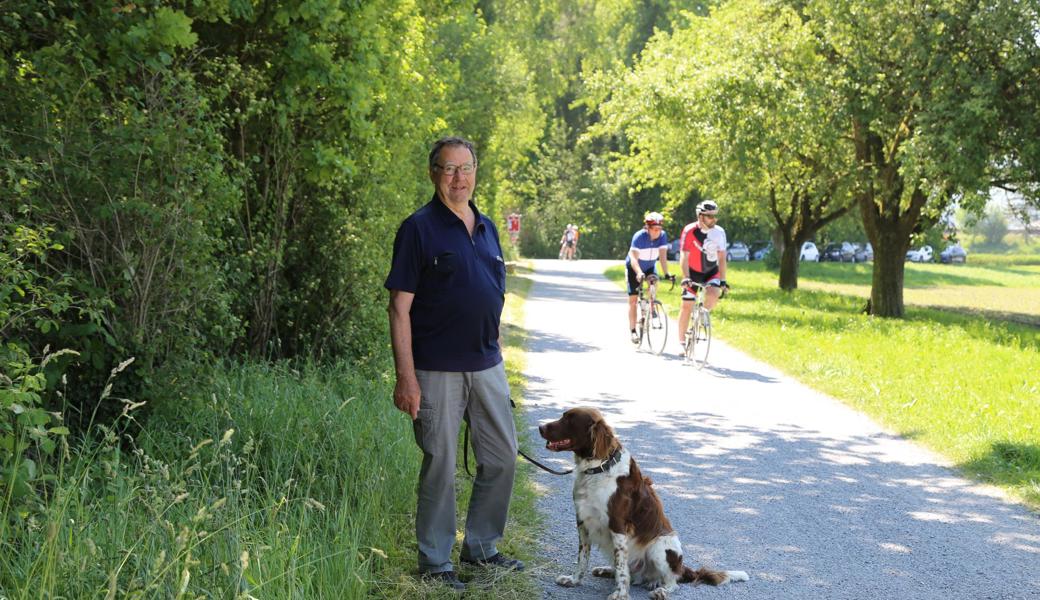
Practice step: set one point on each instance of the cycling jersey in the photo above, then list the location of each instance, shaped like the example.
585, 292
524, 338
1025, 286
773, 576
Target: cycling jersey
649, 249
703, 247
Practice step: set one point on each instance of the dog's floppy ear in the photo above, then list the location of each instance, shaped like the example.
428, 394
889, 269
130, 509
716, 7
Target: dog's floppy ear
603, 440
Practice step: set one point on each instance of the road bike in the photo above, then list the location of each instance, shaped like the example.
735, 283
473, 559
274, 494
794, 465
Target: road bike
698, 335
575, 254
652, 324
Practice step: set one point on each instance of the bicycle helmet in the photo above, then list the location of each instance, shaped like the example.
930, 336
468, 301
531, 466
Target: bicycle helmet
654, 218
707, 207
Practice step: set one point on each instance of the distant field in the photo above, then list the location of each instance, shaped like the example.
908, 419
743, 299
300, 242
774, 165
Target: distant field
1004, 291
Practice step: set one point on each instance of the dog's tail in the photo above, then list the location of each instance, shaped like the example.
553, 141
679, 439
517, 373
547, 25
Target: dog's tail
703, 575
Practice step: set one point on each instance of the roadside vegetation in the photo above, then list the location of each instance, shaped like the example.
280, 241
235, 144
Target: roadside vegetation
965, 385
265, 481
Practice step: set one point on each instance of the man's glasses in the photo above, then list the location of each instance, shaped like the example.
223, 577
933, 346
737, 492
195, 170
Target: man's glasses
707, 216
449, 170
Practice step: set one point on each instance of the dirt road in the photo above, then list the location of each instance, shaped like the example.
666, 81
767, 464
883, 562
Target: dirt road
758, 472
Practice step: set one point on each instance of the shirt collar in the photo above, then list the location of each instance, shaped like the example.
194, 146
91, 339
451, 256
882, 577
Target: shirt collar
448, 217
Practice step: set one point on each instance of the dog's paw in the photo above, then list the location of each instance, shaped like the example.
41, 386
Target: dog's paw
618, 595
737, 575
602, 571
659, 594
566, 581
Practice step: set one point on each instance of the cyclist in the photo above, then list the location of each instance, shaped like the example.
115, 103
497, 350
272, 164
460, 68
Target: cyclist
649, 246
703, 260
568, 242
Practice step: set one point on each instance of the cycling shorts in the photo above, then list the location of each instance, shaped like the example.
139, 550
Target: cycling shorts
709, 279
633, 284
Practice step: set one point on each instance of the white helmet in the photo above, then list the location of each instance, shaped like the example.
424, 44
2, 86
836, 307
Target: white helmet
654, 218
707, 207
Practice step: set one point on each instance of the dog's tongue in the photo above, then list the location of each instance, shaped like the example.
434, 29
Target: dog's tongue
555, 446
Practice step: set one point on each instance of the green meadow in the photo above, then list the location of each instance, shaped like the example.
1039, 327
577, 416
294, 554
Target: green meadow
960, 374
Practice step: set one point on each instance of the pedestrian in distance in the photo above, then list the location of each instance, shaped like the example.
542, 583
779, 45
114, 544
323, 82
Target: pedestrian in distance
447, 289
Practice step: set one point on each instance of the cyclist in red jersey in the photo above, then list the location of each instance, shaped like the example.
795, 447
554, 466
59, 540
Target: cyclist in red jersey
703, 260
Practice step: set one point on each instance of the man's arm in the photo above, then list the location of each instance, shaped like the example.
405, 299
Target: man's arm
634, 255
684, 263
406, 390
722, 265
663, 258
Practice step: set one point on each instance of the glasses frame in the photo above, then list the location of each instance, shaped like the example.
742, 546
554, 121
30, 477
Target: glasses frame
450, 170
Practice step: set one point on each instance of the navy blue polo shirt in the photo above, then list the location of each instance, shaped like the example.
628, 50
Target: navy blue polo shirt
459, 284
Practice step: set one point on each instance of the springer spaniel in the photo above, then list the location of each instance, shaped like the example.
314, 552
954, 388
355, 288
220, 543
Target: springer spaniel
618, 512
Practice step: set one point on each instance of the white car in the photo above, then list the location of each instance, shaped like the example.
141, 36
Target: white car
922, 254
738, 251
809, 252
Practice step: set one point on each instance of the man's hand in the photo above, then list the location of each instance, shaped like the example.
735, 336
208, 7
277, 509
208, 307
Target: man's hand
640, 276
407, 395
723, 283
686, 282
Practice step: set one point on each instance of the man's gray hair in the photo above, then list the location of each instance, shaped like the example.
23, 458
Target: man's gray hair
451, 141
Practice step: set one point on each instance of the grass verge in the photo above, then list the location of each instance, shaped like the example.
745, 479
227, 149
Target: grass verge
966, 386
264, 482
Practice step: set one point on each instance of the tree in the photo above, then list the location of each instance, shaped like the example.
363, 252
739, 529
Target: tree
934, 96
739, 105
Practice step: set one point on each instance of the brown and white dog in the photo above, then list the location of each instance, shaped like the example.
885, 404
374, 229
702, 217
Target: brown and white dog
618, 512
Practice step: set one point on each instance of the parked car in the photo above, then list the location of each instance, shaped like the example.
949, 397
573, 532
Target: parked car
738, 251
953, 253
864, 252
922, 254
673, 249
809, 252
843, 252
760, 249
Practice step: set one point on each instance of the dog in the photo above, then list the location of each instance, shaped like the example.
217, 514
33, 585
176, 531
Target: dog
619, 512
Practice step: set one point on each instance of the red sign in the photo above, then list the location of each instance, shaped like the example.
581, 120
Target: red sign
514, 223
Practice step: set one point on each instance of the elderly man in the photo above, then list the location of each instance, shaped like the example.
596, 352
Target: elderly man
447, 288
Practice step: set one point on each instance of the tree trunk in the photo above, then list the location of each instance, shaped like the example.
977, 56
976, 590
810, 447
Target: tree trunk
789, 265
886, 292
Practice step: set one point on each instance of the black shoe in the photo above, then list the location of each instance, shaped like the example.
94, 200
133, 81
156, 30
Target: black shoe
499, 560
446, 578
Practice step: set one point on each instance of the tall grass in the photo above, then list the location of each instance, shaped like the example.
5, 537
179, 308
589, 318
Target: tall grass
264, 482
277, 484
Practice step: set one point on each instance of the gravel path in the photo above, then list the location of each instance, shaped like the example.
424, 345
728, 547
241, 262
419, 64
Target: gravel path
758, 472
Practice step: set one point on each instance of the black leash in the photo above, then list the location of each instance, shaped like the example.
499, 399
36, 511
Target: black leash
465, 458
465, 453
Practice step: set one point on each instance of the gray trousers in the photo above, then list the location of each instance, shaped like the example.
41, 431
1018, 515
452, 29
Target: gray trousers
482, 399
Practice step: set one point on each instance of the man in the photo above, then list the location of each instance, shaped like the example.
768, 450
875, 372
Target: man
649, 246
447, 289
568, 242
703, 260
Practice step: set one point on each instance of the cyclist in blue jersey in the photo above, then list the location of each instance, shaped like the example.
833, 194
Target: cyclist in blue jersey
649, 246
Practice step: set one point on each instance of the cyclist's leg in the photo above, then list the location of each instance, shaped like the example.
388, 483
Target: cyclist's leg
712, 290
711, 296
633, 296
684, 319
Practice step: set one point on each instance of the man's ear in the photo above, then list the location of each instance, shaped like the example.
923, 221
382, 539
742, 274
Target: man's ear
602, 440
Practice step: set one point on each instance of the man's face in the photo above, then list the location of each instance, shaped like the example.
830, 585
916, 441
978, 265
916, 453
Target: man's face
655, 231
707, 221
454, 174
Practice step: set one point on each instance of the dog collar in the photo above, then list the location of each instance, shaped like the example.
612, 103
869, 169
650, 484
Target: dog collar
614, 459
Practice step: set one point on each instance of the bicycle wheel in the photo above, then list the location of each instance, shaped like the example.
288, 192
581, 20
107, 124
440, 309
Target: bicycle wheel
699, 339
657, 328
577, 254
